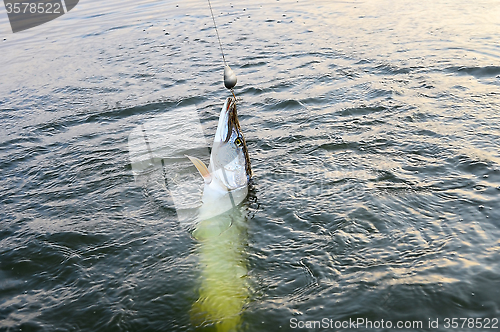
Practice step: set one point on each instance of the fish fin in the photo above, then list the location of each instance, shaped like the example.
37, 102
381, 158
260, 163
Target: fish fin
202, 168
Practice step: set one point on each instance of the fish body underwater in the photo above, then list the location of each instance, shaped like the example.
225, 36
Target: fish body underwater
221, 228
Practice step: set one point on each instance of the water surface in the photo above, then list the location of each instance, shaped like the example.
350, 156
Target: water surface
373, 128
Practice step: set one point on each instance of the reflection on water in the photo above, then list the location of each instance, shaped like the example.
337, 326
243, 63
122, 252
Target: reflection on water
373, 130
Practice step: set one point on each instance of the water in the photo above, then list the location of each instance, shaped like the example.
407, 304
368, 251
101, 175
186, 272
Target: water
373, 128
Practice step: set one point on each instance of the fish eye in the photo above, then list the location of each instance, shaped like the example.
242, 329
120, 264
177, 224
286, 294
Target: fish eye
238, 142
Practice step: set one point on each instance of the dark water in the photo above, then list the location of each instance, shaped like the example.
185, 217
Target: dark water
374, 133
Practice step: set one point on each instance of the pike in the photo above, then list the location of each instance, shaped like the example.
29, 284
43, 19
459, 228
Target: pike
221, 227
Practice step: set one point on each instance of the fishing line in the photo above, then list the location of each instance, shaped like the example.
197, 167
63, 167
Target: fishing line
217, 32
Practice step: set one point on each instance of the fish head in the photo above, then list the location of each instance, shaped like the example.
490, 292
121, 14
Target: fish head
228, 174
229, 162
